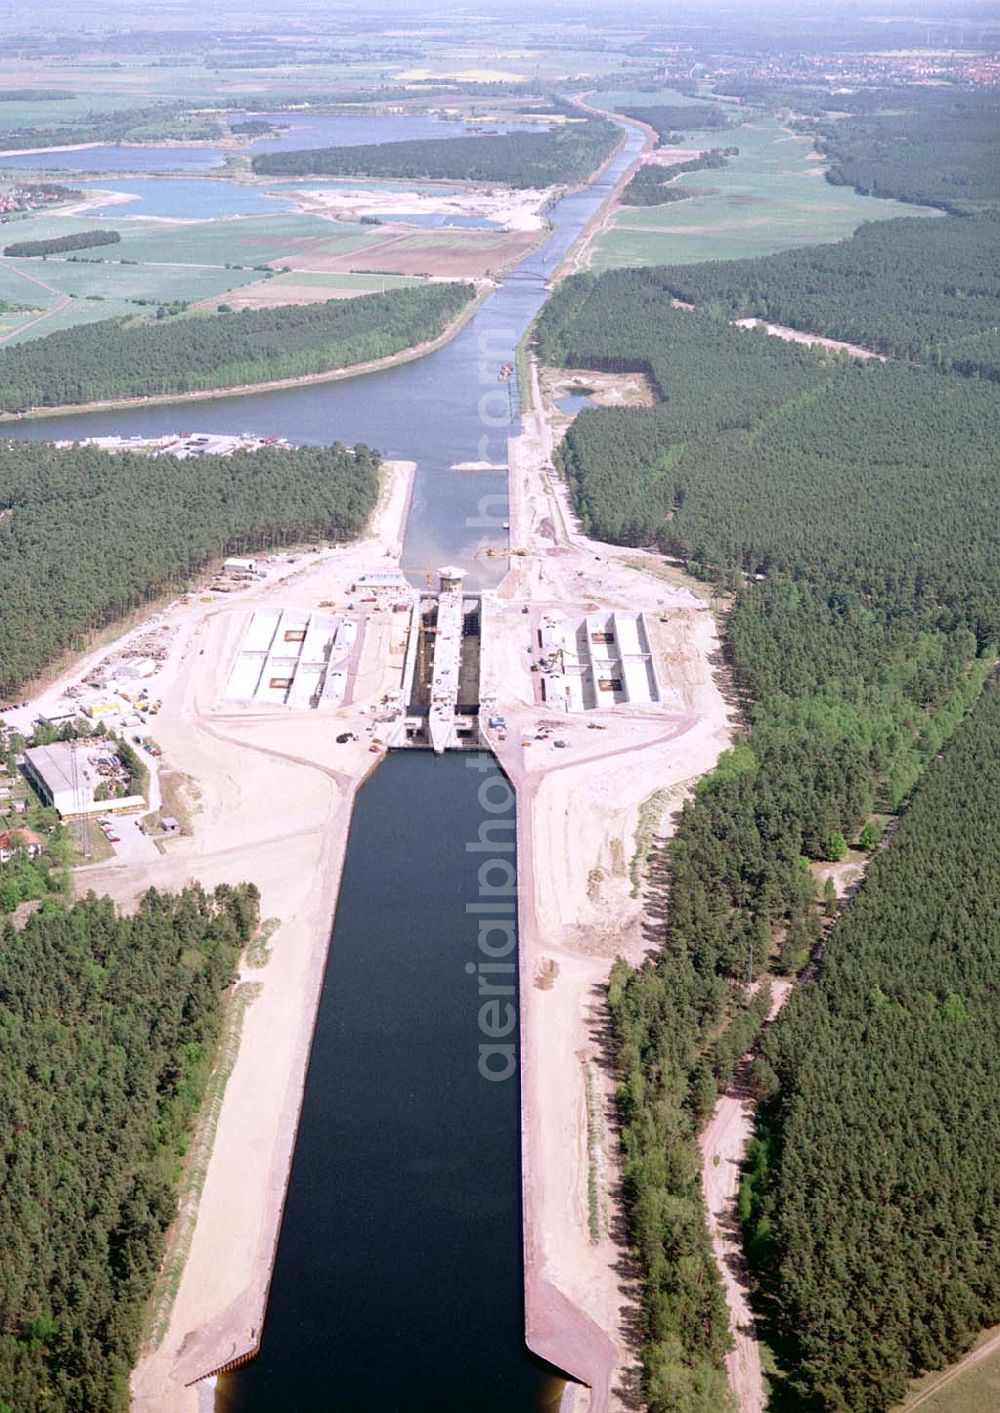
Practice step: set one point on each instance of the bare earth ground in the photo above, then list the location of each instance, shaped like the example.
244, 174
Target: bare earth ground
603, 389
672, 156
578, 256
517, 210
272, 293
723, 1144
782, 331
578, 810
461, 254
275, 794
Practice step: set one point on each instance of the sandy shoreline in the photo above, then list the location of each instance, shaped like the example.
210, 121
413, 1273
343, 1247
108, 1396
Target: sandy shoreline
574, 257
513, 210
276, 797
579, 813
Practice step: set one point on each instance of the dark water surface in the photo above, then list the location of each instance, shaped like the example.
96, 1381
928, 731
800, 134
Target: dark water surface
398, 1283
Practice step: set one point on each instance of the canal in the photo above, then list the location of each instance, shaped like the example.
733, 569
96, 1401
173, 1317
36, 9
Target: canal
440, 411
398, 1284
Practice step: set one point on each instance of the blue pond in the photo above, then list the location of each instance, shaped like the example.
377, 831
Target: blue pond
117, 159
356, 129
573, 402
191, 200
304, 131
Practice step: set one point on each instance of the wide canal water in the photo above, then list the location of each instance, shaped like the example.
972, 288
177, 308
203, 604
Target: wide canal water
398, 1285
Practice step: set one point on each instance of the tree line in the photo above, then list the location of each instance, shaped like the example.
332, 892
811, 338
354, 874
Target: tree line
872, 1189
121, 358
563, 156
79, 240
668, 120
85, 537
110, 1026
919, 289
649, 183
125, 124
849, 513
939, 147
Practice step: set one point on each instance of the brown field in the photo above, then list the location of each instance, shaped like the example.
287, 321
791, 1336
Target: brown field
452, 253
303, 288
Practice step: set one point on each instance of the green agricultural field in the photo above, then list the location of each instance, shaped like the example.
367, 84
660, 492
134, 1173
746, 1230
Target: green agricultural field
769, 198
975, 1390
78, 311
165, 261
29, 113
157, 282
619, 98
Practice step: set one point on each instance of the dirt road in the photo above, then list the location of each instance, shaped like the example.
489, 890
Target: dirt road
61, 303
940, 1381
723, 1145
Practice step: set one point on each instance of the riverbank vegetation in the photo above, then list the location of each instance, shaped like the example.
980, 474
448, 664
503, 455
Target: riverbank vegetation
565, 156
78, 240
872, 1191
93, 536
110, 1026
918, 289
119, 358
864, 593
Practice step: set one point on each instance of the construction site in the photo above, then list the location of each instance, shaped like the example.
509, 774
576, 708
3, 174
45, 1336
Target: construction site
273, 703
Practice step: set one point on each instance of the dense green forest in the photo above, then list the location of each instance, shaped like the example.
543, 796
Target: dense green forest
119, 358
79, 240
922, 289
566, 155
874, 1189
648, 186
940, 147
109, 1029
87, 536
865, 591
666, 119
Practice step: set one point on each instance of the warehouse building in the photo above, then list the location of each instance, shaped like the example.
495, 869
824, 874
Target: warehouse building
68, 774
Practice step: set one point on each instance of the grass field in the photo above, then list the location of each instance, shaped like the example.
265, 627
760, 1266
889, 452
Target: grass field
165, 261
769, 198
975, 1390
619, 98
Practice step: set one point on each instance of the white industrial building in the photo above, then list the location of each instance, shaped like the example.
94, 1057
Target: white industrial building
293, 658
602, 660
67, 775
